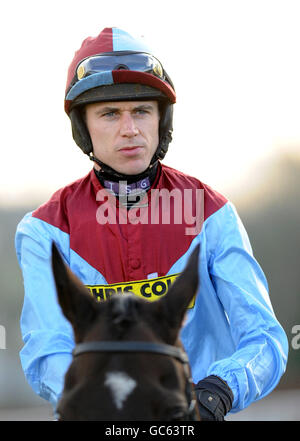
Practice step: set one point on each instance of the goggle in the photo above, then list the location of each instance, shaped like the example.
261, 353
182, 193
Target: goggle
136, 61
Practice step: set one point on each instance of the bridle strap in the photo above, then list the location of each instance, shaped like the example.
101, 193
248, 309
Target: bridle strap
142, 346
130, 346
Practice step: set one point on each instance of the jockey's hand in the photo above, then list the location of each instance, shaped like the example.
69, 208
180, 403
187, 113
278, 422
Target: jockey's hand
214, 398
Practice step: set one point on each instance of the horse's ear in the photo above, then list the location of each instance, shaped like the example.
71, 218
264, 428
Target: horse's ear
174, 304
77, 304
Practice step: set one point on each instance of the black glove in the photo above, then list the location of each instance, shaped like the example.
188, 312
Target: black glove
214, 398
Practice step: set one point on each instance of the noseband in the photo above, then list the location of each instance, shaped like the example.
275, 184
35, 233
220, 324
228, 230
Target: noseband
141, 346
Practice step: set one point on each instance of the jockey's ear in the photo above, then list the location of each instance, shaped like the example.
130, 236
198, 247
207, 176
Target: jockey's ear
77, 305
172, 307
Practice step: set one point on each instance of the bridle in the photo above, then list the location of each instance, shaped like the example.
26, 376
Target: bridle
141, 346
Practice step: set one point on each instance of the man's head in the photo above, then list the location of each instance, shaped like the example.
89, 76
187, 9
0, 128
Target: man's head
116, 69
124, 134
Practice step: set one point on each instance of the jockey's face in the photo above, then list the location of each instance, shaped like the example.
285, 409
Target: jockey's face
124, 134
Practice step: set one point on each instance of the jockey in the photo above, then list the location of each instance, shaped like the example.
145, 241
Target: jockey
120, 102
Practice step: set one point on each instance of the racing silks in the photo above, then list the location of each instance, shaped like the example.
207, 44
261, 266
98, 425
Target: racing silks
230, 330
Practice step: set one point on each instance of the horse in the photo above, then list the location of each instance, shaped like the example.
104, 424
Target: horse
128, 361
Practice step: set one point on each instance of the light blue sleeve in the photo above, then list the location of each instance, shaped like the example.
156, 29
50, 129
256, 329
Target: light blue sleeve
261, 345
48, 336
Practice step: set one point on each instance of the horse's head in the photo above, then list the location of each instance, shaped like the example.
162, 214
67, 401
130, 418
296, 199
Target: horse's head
128, 363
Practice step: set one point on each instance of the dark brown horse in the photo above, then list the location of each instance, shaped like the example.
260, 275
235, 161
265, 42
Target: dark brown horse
128, 363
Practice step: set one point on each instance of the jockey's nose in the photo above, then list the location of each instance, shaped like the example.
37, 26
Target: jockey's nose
128, 126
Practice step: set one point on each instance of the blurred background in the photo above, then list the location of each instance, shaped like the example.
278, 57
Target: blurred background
236, 69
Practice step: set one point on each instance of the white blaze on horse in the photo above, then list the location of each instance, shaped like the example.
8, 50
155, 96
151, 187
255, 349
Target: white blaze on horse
128, 362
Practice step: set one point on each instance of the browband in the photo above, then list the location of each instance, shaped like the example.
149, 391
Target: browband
130, 346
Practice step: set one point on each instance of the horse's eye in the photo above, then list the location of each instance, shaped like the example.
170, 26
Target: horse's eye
167, 381
57, 416
178, 414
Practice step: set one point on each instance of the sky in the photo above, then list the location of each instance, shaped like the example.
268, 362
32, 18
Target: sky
235, 65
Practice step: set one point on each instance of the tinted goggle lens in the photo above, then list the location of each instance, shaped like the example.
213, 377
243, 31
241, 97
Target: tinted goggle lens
138, 62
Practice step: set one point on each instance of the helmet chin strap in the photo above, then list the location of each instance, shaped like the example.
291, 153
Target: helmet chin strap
107, 172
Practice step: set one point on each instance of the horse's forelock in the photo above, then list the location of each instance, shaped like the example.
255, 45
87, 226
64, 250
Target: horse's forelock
123, 309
